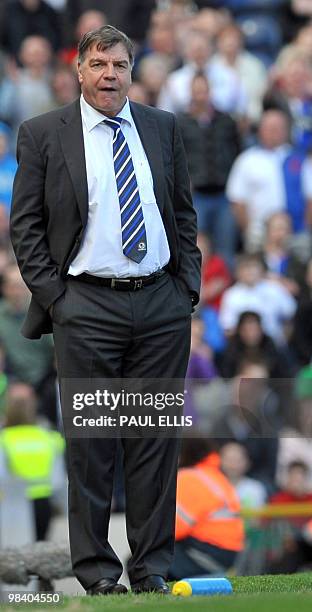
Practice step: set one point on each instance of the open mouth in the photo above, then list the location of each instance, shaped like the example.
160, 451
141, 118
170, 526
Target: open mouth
110, 89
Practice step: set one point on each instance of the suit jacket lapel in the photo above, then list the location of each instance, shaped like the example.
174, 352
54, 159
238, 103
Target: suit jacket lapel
149, 134
71, 137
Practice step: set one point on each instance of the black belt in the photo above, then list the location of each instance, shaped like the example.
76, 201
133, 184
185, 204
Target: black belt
120, 284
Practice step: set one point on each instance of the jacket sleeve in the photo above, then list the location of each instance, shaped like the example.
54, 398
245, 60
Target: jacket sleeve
185, 216
27, 224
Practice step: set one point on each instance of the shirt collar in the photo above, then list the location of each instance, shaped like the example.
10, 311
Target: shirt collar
93, 117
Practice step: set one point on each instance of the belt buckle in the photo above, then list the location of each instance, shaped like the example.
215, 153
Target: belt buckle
138, 284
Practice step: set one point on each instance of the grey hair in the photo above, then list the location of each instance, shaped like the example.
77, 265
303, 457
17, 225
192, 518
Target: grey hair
105, 37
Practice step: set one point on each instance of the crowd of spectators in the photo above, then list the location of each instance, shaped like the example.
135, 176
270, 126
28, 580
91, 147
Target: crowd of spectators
238, 76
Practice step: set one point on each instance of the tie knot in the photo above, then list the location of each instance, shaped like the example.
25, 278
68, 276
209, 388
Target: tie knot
114, 123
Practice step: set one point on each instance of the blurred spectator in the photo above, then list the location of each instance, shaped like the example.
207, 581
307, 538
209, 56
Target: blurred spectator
183, 14
201, 362
297, 551
296, 13
64, 85
152, 73
227, 93
131, 16
297, 173
214, 334
89, 20
252, 291
259, 20
7, 256
281, 262
201, 368
31, 92
235, 464
4, 228
209, 533
24, 18
212, 143
255, 185
178, 8
296, 488
210, 21
250, 342
291, 92
25, 360
249, 70
32, 454
160, 40
138, 93
303, 40
215, 274
250, 416
301, 340
7, 167
295, 441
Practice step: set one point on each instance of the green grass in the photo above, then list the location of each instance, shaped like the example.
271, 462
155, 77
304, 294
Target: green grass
287, 593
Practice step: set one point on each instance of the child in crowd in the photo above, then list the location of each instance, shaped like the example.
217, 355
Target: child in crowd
215, 274
235, 464
296, 552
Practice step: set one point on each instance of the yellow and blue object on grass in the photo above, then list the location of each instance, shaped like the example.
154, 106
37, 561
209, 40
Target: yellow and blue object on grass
202, 586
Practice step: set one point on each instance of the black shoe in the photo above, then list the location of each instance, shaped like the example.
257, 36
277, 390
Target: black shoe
107, 586
150, 584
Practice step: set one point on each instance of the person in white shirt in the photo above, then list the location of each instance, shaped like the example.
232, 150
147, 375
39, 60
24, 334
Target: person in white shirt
252, 291
235, 464
247, 68
227, 93
255, 185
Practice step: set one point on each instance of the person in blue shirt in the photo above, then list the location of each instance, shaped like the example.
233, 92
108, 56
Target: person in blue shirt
7, 166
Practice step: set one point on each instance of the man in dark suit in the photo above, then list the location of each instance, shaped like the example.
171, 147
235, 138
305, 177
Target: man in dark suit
105, 236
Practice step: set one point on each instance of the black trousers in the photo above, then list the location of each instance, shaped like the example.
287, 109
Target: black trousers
43, 514
103, 333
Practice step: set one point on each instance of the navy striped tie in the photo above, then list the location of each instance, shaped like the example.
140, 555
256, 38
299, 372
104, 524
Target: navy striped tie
134, 243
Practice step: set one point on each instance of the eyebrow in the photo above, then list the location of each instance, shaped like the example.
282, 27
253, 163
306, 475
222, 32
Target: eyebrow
104, 61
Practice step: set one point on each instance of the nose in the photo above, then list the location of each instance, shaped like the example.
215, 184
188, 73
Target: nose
109, 72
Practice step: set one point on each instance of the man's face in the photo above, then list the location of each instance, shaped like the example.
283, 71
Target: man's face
230, 43
105, 78
200, 91
250, 273
273, 130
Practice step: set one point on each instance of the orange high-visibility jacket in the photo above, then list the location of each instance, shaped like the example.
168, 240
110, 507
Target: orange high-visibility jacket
208, 506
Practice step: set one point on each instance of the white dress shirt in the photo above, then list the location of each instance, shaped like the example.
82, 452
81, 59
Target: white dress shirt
101, 251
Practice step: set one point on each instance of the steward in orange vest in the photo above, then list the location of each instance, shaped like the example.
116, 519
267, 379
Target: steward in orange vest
209, 530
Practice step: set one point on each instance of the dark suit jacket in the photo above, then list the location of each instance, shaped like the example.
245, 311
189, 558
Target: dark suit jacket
50, 202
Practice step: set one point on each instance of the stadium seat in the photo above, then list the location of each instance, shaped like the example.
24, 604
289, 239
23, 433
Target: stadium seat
263, 36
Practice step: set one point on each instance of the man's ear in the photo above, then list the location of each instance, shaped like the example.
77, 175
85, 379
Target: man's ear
80, 77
